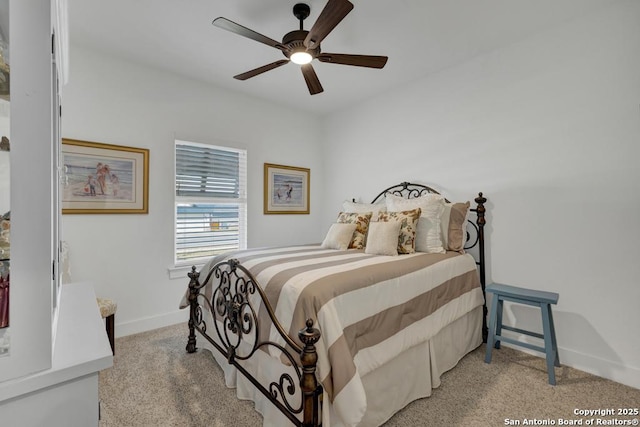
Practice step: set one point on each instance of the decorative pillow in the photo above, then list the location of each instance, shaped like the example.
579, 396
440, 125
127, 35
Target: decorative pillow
361, 220
383, 238
454, 225
390, 197
428, 233
339, 236
356, 207
407, 235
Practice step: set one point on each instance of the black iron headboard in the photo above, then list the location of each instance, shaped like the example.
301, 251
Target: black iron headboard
407, 190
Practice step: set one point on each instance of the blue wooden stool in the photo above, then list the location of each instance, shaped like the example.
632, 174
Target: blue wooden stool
540, 299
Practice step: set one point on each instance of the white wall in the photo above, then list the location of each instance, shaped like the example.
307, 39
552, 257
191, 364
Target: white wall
549, 130
127, 256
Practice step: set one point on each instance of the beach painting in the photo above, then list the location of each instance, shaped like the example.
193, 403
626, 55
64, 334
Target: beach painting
103, 178
286, 189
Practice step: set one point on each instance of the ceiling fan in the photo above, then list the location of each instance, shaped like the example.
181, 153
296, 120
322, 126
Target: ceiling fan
302, 46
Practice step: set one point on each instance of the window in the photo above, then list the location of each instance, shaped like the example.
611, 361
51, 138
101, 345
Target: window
210, 201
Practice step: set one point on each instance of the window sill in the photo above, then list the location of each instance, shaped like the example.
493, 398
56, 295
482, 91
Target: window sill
181, 271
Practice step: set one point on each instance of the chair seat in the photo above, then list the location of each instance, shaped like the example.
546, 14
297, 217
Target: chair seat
107, 306
108, 309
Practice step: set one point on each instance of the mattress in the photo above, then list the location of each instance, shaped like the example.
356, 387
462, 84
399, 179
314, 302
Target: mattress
372, 311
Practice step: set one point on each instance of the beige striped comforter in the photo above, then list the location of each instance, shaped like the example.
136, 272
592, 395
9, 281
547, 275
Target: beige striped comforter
369, 308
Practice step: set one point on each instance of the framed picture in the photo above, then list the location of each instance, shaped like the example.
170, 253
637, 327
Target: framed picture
103, 178
286, 189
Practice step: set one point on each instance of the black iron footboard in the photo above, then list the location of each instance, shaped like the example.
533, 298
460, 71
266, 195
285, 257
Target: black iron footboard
235, 321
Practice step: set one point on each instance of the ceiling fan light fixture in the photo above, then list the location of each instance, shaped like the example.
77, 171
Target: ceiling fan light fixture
301, 58
302, 47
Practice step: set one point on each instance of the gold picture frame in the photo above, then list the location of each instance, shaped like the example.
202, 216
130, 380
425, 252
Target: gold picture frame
286, 189
102, 178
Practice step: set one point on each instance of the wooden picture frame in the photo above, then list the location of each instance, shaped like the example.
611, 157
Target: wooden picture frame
286, 189
103, 178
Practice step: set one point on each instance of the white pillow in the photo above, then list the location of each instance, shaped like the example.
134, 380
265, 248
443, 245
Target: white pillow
355, 207
428, 232
395, 198
383, 238
339, 236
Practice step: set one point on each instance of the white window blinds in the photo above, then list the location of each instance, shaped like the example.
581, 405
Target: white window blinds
210, 201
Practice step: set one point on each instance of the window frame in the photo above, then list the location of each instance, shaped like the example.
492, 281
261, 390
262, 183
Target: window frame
240, 201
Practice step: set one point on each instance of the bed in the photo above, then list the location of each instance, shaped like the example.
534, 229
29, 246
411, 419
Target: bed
344, 333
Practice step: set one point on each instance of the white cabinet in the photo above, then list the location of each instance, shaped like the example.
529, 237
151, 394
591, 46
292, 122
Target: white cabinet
57, 340
67, 393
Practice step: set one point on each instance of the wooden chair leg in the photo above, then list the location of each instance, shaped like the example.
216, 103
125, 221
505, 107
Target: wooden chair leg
110, 321
551, 354
554, 342
492, 328
499, 323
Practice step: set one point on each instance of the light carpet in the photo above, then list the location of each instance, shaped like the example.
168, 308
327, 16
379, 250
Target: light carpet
154, 382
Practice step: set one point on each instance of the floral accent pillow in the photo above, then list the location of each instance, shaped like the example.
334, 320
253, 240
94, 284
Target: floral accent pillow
407, 235
428, 233
374, 208
361, 220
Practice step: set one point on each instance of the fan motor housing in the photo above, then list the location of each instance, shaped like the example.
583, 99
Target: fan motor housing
294, 40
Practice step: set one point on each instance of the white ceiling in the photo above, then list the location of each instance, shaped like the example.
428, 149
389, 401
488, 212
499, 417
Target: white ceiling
419, 37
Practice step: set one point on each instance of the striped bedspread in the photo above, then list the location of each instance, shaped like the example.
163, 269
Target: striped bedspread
369, 308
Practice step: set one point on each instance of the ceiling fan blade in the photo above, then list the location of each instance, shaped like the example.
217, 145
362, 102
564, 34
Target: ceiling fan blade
333, 12
260, 70
225, 24
370, 61
311, 78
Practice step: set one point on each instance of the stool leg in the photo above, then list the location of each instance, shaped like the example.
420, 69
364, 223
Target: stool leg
548, 342
110, 321
553, 337
499, 322
492, 328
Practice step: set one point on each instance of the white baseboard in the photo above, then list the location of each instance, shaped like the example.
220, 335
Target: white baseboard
614, 371
150, 323
627, 375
